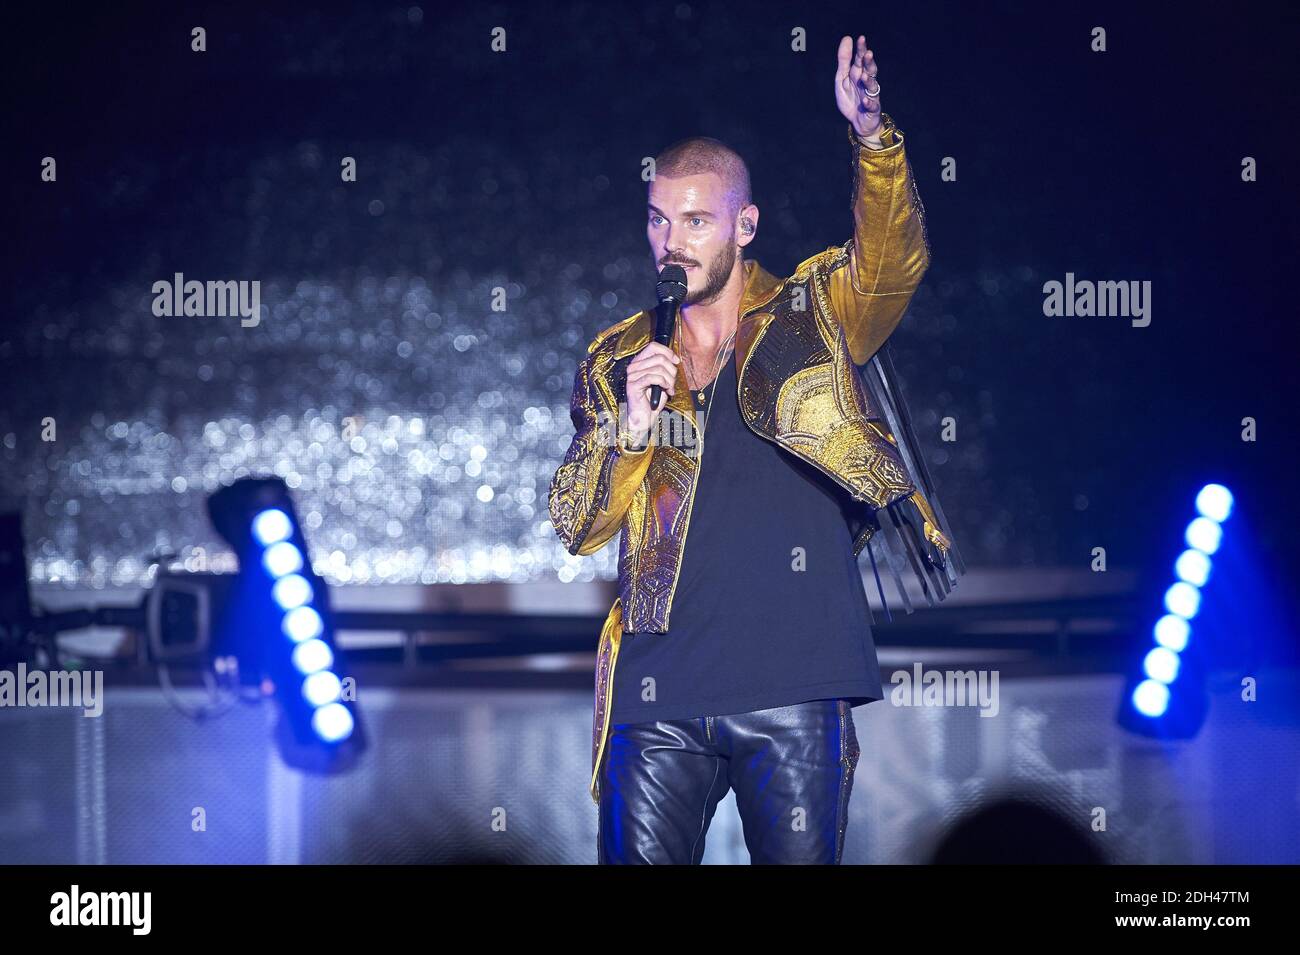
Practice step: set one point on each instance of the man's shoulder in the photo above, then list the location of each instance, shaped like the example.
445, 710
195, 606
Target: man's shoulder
612, 333
827, 260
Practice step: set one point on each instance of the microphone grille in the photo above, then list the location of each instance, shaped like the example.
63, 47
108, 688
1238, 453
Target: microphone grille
672, 283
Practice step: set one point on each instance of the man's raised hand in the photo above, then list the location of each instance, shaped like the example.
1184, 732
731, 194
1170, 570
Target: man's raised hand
855, 84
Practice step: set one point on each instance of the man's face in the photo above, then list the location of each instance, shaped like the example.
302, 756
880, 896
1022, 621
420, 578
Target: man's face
691, 223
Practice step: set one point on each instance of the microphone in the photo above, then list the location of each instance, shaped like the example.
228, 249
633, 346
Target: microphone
671, 290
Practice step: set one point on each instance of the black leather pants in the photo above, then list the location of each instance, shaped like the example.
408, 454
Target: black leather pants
791, 768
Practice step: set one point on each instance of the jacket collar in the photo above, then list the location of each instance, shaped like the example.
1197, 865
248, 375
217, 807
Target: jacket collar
760, 288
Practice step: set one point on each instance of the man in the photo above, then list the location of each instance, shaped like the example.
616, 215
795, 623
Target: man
752, 686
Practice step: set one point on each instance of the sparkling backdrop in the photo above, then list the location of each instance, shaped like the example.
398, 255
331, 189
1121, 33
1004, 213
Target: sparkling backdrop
417, 425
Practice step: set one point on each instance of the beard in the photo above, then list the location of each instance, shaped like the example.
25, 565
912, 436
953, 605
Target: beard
716, 274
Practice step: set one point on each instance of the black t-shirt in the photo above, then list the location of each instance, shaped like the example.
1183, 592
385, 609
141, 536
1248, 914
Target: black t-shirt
749, 630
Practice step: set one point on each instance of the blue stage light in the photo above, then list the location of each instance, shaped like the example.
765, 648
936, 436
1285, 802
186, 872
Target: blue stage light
282, 559
271, 526
1161, 664
1193, 567
311, 656
321, 688
1204, 534
1151, 698
1172, 632
1214, 502
280, 627
1151, 707
332, 722
302, 623
292, 591
1183, 600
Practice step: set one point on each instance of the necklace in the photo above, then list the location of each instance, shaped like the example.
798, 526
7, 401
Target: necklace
724, 350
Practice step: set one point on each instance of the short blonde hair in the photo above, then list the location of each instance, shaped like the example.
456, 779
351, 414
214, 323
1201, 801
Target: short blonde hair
704, 154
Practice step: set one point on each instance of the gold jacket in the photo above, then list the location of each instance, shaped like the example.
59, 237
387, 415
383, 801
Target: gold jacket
798, 342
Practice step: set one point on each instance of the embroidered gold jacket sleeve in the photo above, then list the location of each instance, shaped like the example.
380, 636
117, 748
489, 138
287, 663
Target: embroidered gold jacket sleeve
889, 252
592, 488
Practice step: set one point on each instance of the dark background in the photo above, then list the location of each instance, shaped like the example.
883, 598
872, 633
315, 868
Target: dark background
523, 170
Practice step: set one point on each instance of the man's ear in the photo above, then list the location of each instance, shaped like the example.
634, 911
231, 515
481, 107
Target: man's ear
746, 225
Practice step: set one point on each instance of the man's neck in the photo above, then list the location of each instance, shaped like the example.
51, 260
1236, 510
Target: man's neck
708, 324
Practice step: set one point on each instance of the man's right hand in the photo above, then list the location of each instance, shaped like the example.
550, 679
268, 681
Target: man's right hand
653, 365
